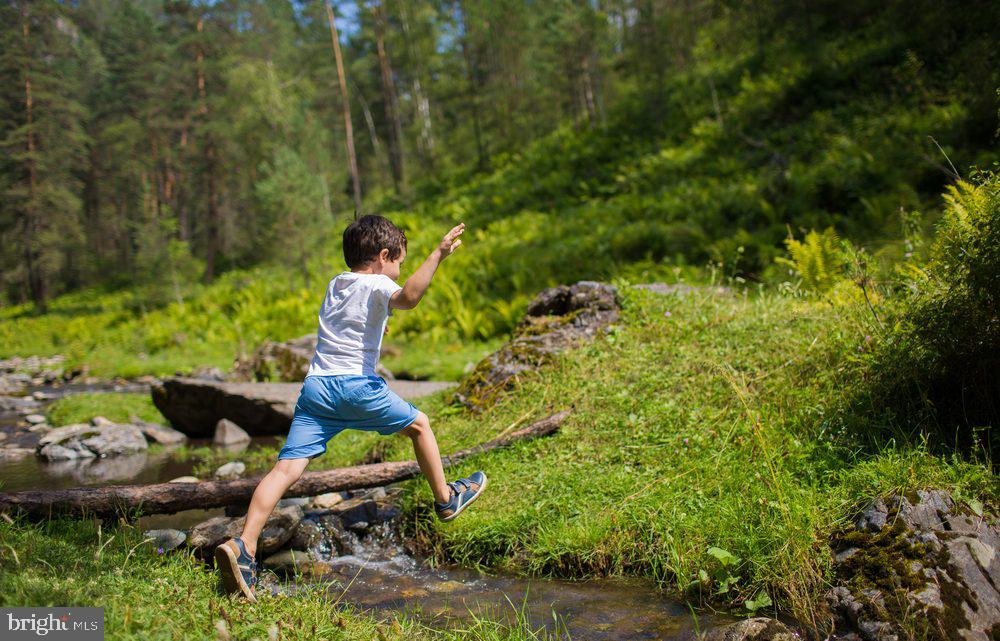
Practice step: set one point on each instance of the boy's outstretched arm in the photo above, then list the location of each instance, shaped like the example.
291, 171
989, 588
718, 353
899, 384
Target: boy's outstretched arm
415, 286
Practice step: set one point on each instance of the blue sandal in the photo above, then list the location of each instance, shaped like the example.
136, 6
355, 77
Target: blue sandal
238, 568
463, 492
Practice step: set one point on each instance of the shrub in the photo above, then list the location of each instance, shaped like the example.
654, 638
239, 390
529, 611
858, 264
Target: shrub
935, 365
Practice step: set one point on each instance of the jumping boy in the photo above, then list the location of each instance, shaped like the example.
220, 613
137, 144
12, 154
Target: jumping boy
341, 389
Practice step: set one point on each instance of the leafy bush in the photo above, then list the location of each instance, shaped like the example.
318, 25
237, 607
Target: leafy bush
934, 369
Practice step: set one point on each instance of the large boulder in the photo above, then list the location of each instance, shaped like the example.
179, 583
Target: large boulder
556, 320
918, 565
195, 406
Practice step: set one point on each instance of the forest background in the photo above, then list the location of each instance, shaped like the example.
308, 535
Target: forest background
152, 148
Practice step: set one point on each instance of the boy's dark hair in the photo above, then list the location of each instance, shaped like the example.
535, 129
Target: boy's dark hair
369, 235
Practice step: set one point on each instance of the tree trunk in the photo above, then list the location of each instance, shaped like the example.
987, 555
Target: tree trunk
348, 128
426, 140
370, 124
471, 71
212, 241
166, 498
32, 224
389, 98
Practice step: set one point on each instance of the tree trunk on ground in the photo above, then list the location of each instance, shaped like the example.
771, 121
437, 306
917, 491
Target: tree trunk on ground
348, 128
389, 98
166, 498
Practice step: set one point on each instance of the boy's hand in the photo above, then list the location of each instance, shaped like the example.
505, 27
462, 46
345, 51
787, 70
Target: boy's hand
451, 242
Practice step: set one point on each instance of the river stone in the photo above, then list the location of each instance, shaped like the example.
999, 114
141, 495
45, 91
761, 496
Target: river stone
228, 433
337, 536
302, 501
69, 451
9, 452
291, 562
352, 512
755, 629
931, 567
35, 419
60, 434
230, 471
328, 500
167, 539
40, 428
160, 433
9, 403
280, 527
115, 440
557, 319
308, 535
3, 436
101, 421
184, 479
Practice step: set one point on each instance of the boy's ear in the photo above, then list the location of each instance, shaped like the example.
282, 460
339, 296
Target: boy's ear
384, 255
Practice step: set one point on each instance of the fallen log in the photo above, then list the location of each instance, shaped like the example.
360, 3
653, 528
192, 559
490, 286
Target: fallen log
167, 498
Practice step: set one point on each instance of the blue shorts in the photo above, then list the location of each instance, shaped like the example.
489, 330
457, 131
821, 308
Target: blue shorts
328, 405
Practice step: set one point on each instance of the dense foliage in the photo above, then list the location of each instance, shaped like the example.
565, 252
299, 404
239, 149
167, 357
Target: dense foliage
934, 366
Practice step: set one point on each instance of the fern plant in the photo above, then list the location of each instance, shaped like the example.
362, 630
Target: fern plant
817, 259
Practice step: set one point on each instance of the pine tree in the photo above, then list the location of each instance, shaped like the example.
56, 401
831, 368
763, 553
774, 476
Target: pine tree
43, 147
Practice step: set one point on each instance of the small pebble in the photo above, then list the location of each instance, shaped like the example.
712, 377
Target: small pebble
35, 419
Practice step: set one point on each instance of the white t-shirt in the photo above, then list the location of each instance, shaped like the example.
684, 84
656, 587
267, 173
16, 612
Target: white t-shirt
351, 322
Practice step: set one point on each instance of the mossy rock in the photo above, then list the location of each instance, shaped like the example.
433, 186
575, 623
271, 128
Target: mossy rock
559, 318
917, 566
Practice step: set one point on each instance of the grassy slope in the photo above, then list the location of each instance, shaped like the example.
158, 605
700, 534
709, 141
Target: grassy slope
701, 422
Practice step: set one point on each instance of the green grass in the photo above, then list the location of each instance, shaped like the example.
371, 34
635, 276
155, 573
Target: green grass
444, 361
115, 406
175, 596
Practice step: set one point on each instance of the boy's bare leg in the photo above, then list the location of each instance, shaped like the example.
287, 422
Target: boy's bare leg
269, 491
425, 448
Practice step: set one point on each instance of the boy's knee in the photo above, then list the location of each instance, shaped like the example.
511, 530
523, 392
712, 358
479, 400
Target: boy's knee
291, 469
420, 425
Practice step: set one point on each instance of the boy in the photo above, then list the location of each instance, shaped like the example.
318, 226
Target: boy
341, 389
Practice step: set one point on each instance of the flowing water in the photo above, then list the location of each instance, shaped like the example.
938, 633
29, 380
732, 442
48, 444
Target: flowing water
377, 574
